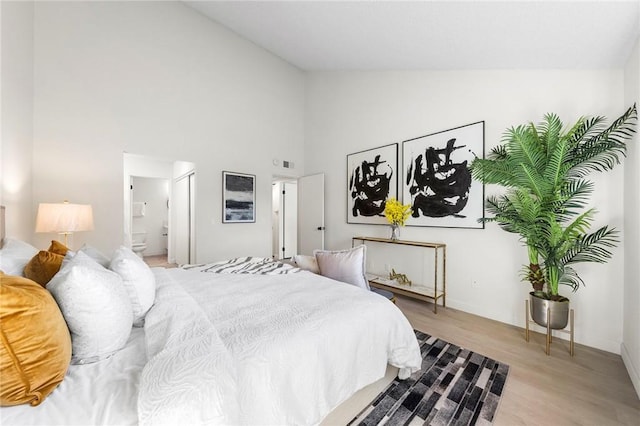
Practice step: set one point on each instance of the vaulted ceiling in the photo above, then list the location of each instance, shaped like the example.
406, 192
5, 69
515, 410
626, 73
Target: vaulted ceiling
381, 35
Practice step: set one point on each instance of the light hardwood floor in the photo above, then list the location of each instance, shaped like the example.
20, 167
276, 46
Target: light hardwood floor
159, 261
592, 388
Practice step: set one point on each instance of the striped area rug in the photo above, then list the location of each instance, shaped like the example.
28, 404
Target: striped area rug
454, 387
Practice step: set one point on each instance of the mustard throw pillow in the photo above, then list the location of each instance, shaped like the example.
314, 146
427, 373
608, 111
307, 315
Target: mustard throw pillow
58, 248
35, 345
43, 266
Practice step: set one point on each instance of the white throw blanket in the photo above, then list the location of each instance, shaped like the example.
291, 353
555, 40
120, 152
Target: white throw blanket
263, 349
245, 265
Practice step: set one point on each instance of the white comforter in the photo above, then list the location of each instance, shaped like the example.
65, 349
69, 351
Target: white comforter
260, 349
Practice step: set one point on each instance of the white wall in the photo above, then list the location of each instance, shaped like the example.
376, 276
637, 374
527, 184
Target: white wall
351, 111
630, 349
159, 79
16, 118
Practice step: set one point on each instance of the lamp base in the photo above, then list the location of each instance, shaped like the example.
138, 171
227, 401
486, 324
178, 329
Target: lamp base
66, 238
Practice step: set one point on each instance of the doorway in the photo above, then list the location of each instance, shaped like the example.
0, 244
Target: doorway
297, 215
150, 219
184, 187
171, 171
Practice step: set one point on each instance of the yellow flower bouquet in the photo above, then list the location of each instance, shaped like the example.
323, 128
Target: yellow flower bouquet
396, 212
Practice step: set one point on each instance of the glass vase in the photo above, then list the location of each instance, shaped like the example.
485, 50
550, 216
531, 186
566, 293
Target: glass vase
395, 232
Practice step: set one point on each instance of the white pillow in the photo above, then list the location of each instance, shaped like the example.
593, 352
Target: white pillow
308, 263
95, 306
96, 255
344, 265
138, 280
15, 255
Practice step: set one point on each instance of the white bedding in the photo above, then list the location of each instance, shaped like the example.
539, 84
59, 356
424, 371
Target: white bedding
103, 393
260, 349
236, 349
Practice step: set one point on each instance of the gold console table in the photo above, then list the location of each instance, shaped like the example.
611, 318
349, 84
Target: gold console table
428, 293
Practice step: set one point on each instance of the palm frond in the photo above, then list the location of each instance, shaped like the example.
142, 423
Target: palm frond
572, 198
554, 172
585, 128
492, 172
592, 247
498, 153
601, 150
526, 147
551, 128
532, 180
578, 226
570, 277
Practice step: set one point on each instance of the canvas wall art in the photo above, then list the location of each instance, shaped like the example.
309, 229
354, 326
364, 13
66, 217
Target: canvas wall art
372, 177
437, 181
238, 197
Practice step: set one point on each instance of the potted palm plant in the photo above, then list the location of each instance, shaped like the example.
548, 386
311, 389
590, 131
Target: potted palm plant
544, 168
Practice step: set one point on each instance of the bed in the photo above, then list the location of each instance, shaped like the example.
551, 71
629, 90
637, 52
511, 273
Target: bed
229, 348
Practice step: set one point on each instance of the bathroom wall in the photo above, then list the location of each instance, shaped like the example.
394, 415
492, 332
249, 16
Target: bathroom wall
155, 193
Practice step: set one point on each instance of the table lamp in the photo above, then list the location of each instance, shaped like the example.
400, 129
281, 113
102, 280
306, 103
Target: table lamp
64, 218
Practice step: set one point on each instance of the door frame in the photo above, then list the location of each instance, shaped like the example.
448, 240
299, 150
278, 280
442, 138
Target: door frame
310, 227
278, 234
191, 181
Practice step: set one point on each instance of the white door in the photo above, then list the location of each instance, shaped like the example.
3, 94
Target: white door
310, 213
290, 219
183, 228
192, 218
275, 220
285, 219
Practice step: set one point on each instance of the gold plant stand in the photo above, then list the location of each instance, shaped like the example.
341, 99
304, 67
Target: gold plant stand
549, 337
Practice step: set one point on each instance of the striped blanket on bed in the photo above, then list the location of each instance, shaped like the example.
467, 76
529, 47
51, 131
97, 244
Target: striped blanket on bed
245, 265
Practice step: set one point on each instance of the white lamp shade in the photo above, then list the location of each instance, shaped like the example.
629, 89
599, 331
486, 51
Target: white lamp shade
64, 217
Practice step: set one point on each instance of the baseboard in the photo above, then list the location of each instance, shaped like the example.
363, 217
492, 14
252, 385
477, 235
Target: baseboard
633, 373
603, 345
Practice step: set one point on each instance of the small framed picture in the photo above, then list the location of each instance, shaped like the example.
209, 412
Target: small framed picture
238, 198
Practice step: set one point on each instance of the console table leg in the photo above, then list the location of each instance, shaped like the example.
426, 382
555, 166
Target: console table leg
548, 349
571, 342
444, 276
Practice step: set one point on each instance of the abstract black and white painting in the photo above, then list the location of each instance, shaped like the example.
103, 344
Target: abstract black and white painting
437, 181
238, 197
372, 177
